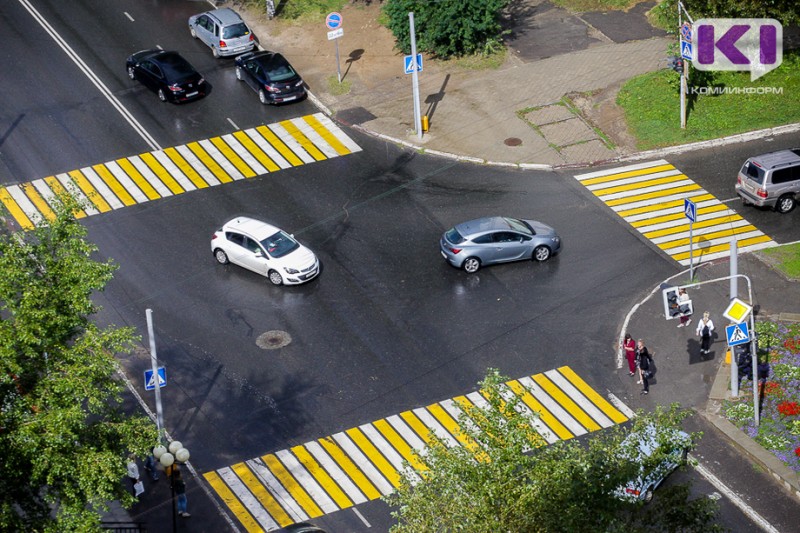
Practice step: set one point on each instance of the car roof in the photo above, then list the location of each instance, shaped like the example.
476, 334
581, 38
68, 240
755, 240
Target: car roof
225, 15
482, 225
265, 57
254, 228
778, 158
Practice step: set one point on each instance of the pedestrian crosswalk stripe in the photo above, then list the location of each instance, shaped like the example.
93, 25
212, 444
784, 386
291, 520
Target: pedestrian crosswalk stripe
650, 197
151, 176
363, 463
233, 503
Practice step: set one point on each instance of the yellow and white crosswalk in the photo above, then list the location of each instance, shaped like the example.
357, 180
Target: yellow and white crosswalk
196, 165
364, 463
650, 197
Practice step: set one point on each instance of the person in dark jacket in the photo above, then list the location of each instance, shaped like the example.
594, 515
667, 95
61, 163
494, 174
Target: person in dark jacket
645, 363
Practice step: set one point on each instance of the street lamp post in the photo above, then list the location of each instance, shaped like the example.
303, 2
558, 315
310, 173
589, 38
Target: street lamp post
168, 457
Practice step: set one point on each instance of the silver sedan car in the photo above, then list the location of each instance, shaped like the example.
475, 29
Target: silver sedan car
491, 240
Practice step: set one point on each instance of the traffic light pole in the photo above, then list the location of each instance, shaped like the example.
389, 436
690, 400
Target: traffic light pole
683, 71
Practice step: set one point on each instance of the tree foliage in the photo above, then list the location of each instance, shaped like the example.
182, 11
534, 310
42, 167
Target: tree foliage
62, 432
446, 28
506, 478
784, 11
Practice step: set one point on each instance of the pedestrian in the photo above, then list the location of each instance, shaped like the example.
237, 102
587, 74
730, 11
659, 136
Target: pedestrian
150, 466
683, 307
133, 473
704, 329
179, 486
645, 362
629, 345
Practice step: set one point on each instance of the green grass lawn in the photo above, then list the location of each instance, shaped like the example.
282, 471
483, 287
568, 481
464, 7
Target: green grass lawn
652, 104
785, 258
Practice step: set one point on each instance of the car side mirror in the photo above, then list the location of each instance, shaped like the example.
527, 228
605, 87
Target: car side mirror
258, 253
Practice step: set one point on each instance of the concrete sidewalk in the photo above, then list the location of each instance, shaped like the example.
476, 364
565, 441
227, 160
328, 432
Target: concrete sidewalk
702, 381
513, 115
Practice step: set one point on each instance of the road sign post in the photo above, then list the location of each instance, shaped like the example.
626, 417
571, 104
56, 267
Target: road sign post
334, 22
415, 78
154, 369
690, 210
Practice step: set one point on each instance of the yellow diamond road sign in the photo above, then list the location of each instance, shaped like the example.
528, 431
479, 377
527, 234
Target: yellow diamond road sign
737, 311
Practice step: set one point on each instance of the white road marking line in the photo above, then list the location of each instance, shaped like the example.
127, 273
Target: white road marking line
361, 517
232, 123
129, 16
151, 142
735, 499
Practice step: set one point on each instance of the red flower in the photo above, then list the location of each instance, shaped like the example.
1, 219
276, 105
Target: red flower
792, 345
797, 451
772, 387
789, 408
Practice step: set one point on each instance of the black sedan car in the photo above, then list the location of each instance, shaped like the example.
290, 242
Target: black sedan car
271, 76
167, 74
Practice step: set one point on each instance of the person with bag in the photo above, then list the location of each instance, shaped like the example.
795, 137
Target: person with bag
629, 345
137, 487
704, 329
645, 363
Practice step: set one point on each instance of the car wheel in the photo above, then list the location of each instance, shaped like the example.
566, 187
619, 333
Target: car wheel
541, 253
193, 32
221, 257
472, 264
131, 73
239, 74
648, 495
785, 204
275, 277
262, 96
161, 95
214, 51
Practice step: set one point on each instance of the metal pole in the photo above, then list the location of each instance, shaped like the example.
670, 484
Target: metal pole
683, 70
754, 353
734, 261
691, 251
338, 66
414, 77
154, 366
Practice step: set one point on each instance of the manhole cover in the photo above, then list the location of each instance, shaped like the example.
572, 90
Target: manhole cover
513, 141
272, 340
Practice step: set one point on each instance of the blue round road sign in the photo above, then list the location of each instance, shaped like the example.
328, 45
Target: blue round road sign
333, 20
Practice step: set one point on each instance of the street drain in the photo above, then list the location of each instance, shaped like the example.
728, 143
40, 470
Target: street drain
272, 340
513, 141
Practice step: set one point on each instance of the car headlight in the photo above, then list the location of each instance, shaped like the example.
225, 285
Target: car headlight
556, 239
291, 270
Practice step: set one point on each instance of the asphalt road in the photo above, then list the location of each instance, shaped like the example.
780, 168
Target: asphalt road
388, 325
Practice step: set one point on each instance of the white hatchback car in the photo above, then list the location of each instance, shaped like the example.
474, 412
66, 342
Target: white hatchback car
265, 250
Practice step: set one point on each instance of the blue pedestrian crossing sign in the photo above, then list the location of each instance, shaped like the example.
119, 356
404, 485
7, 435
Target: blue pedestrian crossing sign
149, 378
690, 210
411, 65
737, 334
686, 51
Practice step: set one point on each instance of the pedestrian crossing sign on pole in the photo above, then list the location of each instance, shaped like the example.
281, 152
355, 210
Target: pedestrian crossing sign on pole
411, 65
737, 334
149, 378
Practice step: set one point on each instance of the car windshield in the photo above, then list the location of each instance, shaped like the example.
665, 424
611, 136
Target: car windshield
234, 31
519, 225
454, 236
279, 244
279, 71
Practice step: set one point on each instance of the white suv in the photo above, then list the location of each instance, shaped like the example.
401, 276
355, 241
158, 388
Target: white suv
265, 250
224, 31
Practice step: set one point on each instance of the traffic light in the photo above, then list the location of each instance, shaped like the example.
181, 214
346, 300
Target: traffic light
672, 307
675, 63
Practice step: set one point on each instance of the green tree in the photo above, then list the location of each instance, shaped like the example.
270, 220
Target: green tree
505, 478
784, 11
447, 28
63, 434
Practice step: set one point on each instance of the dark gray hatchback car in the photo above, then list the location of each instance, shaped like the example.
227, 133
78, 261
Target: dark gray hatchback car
491, 240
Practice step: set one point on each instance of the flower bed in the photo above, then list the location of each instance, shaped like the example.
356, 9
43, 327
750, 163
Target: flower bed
779, 431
